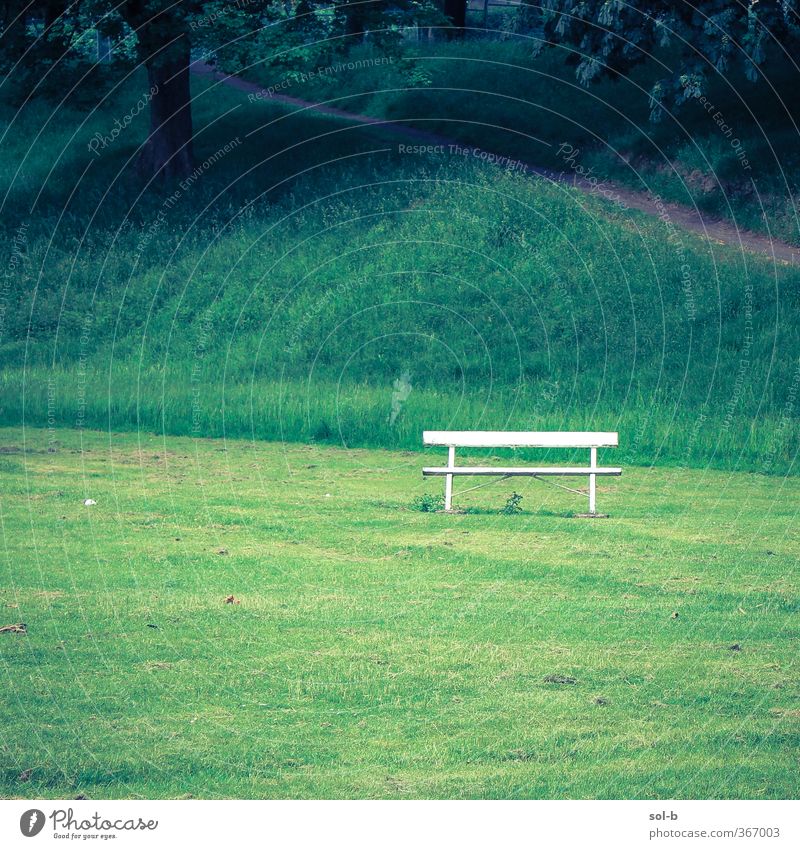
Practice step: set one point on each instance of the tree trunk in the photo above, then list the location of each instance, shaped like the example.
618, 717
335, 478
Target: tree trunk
354, 20
456, 11
53, 9
167, 153
15, 34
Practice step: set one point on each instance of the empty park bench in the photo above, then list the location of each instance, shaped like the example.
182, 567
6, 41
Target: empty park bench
453, 439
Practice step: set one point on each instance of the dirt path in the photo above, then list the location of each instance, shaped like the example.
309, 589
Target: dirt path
712, 229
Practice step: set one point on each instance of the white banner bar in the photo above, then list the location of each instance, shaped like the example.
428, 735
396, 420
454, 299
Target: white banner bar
387, 824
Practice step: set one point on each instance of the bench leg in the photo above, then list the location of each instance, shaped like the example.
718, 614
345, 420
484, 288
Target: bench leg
448, 479
593, 483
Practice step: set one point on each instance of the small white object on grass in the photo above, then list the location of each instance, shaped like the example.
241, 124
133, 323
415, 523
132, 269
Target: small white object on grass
89, 502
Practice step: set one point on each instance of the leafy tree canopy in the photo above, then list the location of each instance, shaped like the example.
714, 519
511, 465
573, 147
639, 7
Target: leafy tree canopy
49, 47
610, 37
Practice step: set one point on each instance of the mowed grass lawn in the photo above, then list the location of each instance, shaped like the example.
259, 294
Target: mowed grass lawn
377, 651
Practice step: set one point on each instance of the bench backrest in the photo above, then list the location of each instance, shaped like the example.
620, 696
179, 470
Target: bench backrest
518, 439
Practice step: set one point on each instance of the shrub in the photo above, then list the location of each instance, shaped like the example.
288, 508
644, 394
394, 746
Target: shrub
428, 503
512, 504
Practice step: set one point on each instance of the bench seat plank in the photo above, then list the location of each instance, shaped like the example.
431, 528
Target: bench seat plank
501, 471
519, 439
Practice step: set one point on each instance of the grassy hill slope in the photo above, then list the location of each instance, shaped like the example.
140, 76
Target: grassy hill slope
316, 281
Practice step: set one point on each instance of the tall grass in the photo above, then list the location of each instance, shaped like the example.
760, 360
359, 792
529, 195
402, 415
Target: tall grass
359, 415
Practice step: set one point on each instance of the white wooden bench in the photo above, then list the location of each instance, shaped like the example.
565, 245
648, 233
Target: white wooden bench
519, 439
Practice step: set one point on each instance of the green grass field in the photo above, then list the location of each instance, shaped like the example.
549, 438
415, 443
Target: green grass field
316, 298
378, 651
